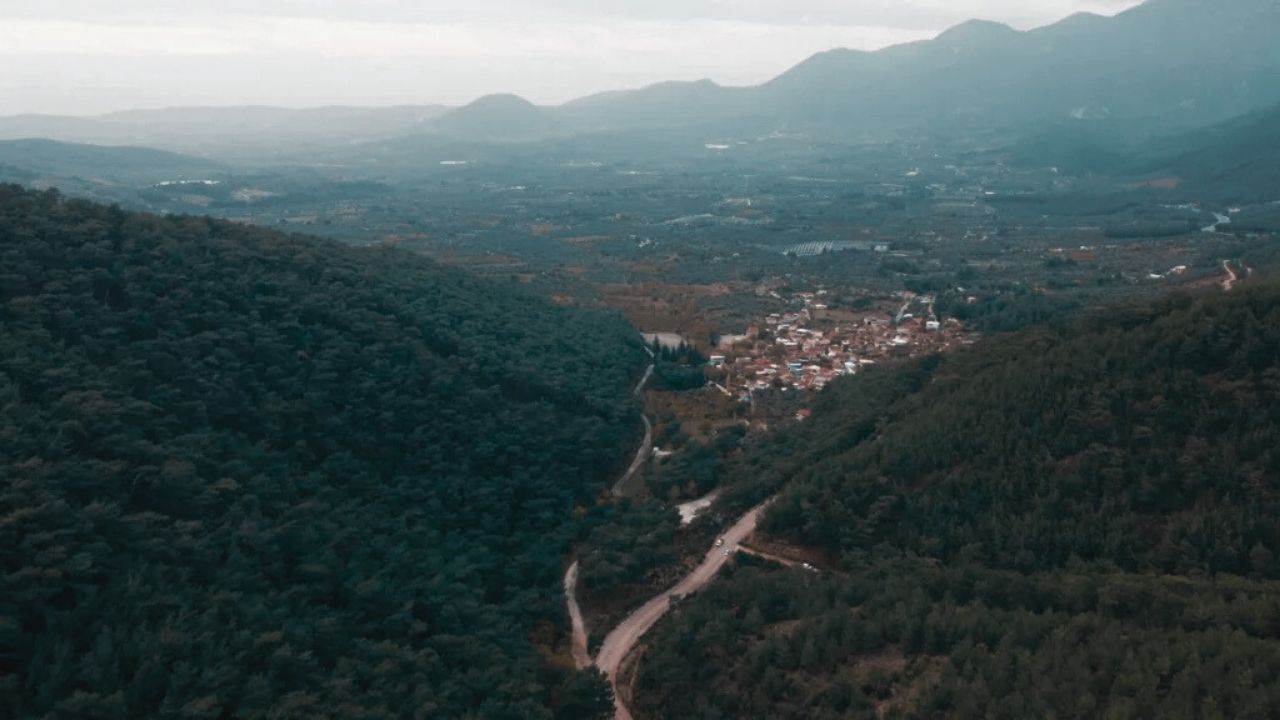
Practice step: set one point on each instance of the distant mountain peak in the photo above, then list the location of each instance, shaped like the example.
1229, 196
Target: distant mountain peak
501, 101
1080, 18
495, 117
977, 30
822, 63
702, 83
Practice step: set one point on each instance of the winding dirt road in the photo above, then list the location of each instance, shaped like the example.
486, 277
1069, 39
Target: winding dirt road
644, 380
578, 644
581, 656
646, 447
1230, 281
624, 637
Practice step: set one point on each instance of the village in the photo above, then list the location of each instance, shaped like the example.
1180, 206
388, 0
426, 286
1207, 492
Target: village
812, 345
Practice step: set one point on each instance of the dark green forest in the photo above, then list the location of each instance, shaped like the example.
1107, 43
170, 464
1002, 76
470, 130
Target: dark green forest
255, 475
908, 638
1057, 523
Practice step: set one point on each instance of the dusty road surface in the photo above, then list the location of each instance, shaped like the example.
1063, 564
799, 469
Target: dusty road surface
623, 638
581, 658
1230, 281
648, 373
646, 449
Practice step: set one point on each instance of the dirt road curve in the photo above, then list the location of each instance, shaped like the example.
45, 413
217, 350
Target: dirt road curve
648, 373
581, 658
646, 449
1230, 281
623, 638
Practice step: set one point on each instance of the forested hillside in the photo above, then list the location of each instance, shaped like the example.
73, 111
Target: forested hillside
1235, 160
48, 157
253, 475
1076, 524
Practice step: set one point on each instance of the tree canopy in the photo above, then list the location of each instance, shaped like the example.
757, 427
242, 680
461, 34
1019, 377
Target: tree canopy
255, 475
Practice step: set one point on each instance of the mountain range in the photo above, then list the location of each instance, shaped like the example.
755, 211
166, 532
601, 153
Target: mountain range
1166, 65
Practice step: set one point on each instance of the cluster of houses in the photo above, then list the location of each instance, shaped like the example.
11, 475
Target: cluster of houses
808, 348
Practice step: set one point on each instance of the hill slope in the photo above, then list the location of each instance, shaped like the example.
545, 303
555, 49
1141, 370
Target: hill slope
1078, 525
1238, 159
48, 157
252, 475
1235, 161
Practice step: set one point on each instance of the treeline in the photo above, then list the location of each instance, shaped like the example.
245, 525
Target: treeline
1072, 522
679, 368
253, 475
1010, 309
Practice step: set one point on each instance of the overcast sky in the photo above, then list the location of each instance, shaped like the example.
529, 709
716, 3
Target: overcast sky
90, 56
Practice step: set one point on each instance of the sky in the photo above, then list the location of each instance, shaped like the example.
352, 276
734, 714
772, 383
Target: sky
82, 57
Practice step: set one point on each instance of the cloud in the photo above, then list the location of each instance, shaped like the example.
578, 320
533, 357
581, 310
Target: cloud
266, 36
912, 14
26, 38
